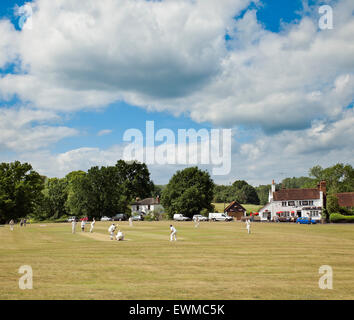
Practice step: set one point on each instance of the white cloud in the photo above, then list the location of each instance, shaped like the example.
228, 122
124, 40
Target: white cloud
171, 55
23, 129
104, 132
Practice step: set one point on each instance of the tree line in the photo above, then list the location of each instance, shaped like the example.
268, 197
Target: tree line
106, 191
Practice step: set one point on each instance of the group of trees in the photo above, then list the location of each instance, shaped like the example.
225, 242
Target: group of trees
101, 191
240, 191
106, 191
20, 190
189, 192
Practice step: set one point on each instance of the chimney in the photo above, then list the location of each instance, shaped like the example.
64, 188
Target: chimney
273, 186
322, 187
158, 199
137, 199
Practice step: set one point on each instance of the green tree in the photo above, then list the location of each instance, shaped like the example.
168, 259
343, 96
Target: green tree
20, 190
339, 178
332, 204
188, 192
263, 193
106, 191
135, 179
244, 192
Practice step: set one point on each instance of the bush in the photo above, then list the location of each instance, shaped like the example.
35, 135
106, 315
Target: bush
150, 217
337, 217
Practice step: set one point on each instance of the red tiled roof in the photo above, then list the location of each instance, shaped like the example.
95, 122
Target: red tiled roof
346, 199
296, 194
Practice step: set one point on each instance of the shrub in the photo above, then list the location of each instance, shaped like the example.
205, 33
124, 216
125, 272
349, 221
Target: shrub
337, 217
150, 217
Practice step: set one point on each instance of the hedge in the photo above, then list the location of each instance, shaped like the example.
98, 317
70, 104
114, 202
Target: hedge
337, 217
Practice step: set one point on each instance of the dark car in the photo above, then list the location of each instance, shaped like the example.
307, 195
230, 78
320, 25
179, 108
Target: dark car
120, 217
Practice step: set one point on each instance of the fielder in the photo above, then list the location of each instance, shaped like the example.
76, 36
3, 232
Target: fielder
73, 226
248, 226
196, 222
130, 221
92, 225
120, 236
111, 230
173, 233
11, 223
83, 225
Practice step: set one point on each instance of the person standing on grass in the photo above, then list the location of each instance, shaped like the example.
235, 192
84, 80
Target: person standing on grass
248, 226
73, 226
196, 222
111, 230
24, 222
173, 233
11, 223
83, 225
92, 225
130, 221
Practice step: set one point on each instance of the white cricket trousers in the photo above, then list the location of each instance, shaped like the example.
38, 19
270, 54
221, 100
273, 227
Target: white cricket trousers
91, 229
173, 236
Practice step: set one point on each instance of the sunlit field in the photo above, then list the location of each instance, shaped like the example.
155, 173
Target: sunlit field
215, 261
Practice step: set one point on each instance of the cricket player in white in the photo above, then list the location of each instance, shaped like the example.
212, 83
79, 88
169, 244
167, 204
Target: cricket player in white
11, 223
130, 221
111, 230
92, 225
173, 233
248, 226
83, 225
73, 226
120, 236
196, 222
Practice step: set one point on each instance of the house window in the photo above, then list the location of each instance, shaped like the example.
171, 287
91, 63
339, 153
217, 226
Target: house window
310, 203
148, 207
283, 204
137, 208
291, 203
305, 203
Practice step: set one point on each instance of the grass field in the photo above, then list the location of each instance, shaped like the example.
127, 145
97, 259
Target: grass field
215, 261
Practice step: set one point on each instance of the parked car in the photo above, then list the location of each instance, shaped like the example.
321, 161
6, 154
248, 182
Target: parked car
71, 219
180, 217
120, 217
139, 217
284, 219
306, 221
200, 217
216, 216
106, 219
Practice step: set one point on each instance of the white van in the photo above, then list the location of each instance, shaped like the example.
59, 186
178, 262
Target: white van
216, 216
180, 217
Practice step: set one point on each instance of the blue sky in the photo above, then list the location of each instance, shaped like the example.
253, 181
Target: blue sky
178, 87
